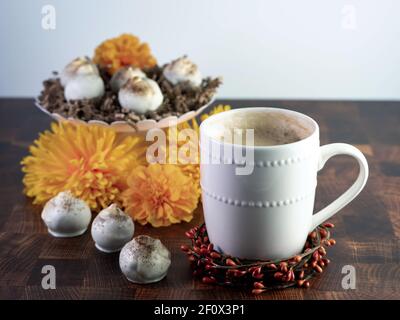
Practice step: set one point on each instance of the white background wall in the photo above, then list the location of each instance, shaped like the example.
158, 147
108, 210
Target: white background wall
314, 49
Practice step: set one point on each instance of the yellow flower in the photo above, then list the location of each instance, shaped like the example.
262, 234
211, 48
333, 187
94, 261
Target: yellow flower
122, 51
90, 161
184, 151
191, 150
192, 170
219, 108
160, 195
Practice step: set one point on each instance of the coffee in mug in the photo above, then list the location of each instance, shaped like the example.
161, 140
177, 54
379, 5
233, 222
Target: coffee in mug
270, 128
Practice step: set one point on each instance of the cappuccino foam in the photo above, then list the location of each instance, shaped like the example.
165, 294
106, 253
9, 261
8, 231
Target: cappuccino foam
271, 128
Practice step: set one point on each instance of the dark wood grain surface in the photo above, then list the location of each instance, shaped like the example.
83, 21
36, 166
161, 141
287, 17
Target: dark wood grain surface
367, 231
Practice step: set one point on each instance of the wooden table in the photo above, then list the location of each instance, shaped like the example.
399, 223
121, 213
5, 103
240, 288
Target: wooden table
367, 231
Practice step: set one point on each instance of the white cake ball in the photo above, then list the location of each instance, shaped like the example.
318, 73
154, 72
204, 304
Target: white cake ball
112, 229
66, 215
140, 95
88, 86
144, 260
123, 75
76, 67
183, 70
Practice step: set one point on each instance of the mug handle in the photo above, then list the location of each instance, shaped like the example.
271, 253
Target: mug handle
326, 152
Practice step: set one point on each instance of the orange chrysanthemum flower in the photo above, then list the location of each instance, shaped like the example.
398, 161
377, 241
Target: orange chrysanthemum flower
90, 161
122, 51
160, 195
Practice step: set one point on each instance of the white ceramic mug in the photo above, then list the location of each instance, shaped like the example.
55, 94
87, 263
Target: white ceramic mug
269, 213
